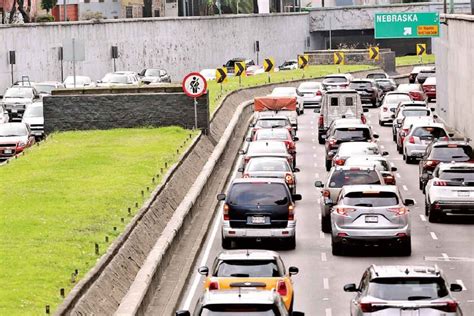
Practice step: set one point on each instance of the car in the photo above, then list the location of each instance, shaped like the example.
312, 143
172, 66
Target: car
230, 64
419, 137
409, 109
377, 75
266, 149
365, 215
33, 116
402, 289
429, 87
368, 90
154, 75
46, 87
272, 122
272, 106
353, 149
81, 82
425, 73
389, 105
254, 70
338, 177
450, 191
405, 126
289, 65
336, 81
415, 90
457, 150
209, 74
342, 133
414, 73
14, 139
119, 79
310, 92
271, 167
258, 209
4, 117
380, 164
337, 104
386, 85
243, 300
277, 134
289, 92
251, 265
16, 99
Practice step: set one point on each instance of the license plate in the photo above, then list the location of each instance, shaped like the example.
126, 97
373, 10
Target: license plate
8, 151
371, 219
14, 111
463, 193
258, 220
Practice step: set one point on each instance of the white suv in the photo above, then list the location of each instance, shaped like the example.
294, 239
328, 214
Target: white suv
419, 137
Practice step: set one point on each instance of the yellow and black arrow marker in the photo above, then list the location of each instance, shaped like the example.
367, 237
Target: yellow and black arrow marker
420, 49
221, 75
339, 58
374, 52
268, 64
303, 61
239, 69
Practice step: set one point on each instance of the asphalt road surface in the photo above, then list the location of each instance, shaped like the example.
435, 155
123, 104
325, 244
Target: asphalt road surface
318, 286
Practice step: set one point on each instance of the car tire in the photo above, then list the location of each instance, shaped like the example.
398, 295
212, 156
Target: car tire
321, 140
326, 224
328, 165
337, 248
374, 103
226, 243
291, 243
427, 208
399, 149
394, 137
381, 123
420, 184
433, 217
405, 248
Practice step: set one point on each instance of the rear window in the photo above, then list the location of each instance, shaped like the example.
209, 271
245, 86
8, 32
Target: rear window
267, 147
360, 85
371, 199
271, 123
238, 309
408, 113
267, 134
335, 80
347, 134
396, 98
248, 269
407, 289
268, 165
347, 177
258, 193
360, 149
452, 153
376, 76
380, 165
465, 175
310, 86
429, 132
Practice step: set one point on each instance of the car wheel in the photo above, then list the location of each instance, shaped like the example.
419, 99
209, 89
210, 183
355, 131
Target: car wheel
381, 123
291, 243
420, 184
433, 217
226, 243
394, 137
326, 224
374, 103
427, 208
399, 149
321, 140
405, 248
337, 248
328, 165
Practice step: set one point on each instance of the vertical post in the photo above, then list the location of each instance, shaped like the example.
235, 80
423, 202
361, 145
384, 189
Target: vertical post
445, 7
65, 11
240, 81
12, 61
61, 58
13, 81
195, 114
330, 32
74, 60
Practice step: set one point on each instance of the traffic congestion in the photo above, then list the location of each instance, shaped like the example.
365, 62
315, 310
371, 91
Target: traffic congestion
323, 215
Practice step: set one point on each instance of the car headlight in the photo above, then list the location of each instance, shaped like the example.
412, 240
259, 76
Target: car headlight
21, 144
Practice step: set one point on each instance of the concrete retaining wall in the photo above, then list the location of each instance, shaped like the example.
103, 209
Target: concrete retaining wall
454, 71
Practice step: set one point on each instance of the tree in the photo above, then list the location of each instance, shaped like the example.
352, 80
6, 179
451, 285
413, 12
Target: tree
48, 5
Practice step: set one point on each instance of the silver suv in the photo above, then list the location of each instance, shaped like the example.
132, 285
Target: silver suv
370, 215
339, 177
403, 290
450, 191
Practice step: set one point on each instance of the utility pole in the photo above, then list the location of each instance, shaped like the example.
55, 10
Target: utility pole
65, 11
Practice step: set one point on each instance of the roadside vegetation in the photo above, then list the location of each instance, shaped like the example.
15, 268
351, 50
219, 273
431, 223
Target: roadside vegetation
63, 197
414, 60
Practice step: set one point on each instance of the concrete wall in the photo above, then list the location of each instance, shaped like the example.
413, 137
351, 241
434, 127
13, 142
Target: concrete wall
85, 112
454, 73
179, 45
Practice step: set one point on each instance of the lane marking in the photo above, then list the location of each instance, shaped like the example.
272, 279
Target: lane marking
315, 164
326, 283
433, 235
314, 147
461, 283
398, 175
324, 258
321, 235
314, 155
312, 133
382, 146
423, 217
316, 175
392, 164
405, 187
314, 141
328, 312
319, 216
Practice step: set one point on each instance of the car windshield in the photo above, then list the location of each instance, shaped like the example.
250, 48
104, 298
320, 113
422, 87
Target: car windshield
357, 150
347, 134
348, 177
114, 78
465, 175
309, 86
452, 153
376, 76
267, 147
247, 269
33, 111
268, 134
276, 165
429, 132
360, 85
19, 93
271, 123
335, 79
44, 88
258, 193
408, 113
238, 310
371, 199
152, 73
284, 91
13, 130
384, 82
407, 289
396, 98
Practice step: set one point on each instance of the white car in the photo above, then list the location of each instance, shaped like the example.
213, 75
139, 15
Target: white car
119, 79
289, 92
311, 93
419, 137
81, 82
46, 87
450, 191
16, 99
33, 116
208, 74
4, 117
389, 106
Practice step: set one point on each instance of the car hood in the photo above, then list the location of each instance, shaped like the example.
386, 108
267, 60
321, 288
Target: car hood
16, 101
12, 139
33, 120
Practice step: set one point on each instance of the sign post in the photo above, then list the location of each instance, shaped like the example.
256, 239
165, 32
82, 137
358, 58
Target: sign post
221, 76
239, 69
268, 66
194, 85
406, 25
303, 62
73, 50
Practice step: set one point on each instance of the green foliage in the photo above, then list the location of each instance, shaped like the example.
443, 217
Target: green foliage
48, 5
45, 18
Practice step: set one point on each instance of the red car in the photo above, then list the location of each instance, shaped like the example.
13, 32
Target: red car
415, 90
14, 138
278, 134
429, 87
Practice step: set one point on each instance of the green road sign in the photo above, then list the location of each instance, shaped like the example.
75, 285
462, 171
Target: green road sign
406, 25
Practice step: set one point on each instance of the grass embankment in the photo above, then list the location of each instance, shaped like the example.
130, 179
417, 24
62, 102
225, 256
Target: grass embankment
414, 60
64, 196
216, 94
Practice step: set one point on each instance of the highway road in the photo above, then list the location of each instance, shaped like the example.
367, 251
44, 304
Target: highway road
318, 286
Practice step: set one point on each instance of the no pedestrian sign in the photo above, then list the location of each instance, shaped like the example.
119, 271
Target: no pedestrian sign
406, 25
194, 85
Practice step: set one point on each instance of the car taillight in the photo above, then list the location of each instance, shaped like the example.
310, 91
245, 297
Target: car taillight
411, 140
214, 285
449, 307
370, 307
340, 161
385, 109
344, 210
289, 178
440, 183
398, 210
389, 180
246, 159
431, 164
246, 175
318, 93
291, 212
363, 119
281, 288
321, 120
326, 193
225, 212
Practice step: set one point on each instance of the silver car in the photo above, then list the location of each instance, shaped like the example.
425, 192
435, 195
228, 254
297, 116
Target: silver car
419, 137
310, 92
370, 215
389, 105
403, 290
450, 191
352, 149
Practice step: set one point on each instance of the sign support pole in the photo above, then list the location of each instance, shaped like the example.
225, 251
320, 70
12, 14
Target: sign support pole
240, 81
196, 113
13, 81
74, 60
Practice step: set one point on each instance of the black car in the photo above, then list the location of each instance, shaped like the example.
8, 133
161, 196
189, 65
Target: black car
443, 151
368, 90
230, 64
386, 85
423, 74
377, 75
257, 209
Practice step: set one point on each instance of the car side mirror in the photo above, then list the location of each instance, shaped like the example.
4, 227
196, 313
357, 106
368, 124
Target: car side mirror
318, 184
435, 116
392, 116
393, 169
248, 139
376, 135
317, 111
241, 152
296, 197
221, 197
385, 153
293, 270
455, 287
251, 125
296, 170
296, 138
328, 202
365, 110
432, 109
409, 202
99, 81
183, 313
350, 288
241, 169
203, 271
451, 134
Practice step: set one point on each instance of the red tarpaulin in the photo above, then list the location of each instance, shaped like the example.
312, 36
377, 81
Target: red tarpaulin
269, 103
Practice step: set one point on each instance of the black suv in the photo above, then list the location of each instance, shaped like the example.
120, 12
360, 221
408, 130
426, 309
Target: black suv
443, 151
368, 90
259, 208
